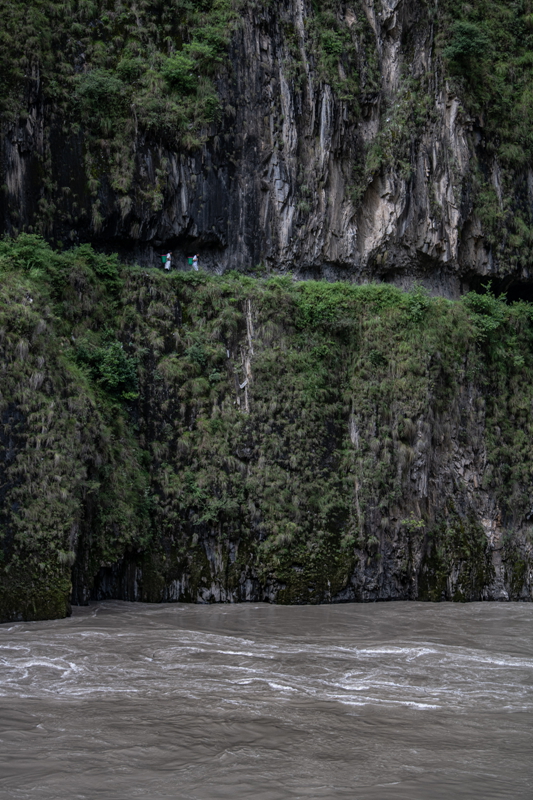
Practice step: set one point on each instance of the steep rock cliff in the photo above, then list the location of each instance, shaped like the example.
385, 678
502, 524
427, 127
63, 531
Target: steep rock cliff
196, 438
344, 140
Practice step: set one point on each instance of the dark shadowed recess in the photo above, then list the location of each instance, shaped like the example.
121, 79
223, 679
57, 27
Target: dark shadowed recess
512, 289
148, 253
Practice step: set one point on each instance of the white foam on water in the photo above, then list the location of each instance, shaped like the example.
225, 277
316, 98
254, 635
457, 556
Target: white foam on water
128, 691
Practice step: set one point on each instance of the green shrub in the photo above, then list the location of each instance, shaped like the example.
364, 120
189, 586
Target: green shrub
469, 44
418, 303
100, 92
27, 252
110, 367
488, 312
180, 71
129, 69
332, 43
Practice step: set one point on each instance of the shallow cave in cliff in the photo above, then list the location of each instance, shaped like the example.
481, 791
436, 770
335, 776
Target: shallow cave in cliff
513, 289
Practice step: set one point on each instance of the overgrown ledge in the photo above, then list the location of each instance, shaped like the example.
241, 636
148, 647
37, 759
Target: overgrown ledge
201, 438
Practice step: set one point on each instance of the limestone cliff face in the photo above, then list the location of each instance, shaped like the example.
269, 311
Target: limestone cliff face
297, 175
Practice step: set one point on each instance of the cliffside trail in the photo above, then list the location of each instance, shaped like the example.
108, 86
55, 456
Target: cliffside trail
373, 139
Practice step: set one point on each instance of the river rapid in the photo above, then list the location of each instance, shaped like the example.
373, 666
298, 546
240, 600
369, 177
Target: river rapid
396, 700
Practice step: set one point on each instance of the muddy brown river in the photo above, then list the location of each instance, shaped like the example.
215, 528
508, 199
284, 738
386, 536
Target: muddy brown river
385, 701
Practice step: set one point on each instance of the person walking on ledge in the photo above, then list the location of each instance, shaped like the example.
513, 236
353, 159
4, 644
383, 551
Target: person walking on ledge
168, 262
195, 262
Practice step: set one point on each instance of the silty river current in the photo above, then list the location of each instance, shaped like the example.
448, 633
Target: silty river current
396, 700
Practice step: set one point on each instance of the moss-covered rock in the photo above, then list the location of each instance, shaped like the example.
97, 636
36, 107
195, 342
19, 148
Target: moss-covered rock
187, 437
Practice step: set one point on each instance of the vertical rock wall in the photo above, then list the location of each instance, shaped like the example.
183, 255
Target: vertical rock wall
295, 176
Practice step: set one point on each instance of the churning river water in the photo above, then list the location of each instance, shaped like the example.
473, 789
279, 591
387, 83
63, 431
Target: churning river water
385, 701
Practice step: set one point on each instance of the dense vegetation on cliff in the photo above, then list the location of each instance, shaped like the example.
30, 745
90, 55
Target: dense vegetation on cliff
109, 69
246, 435
188, 436
488, 52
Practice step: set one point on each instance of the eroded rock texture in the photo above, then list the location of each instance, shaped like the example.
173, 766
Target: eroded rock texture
360, 167
199, 438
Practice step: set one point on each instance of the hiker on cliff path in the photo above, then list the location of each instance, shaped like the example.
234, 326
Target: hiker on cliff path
195, 262
168, 262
